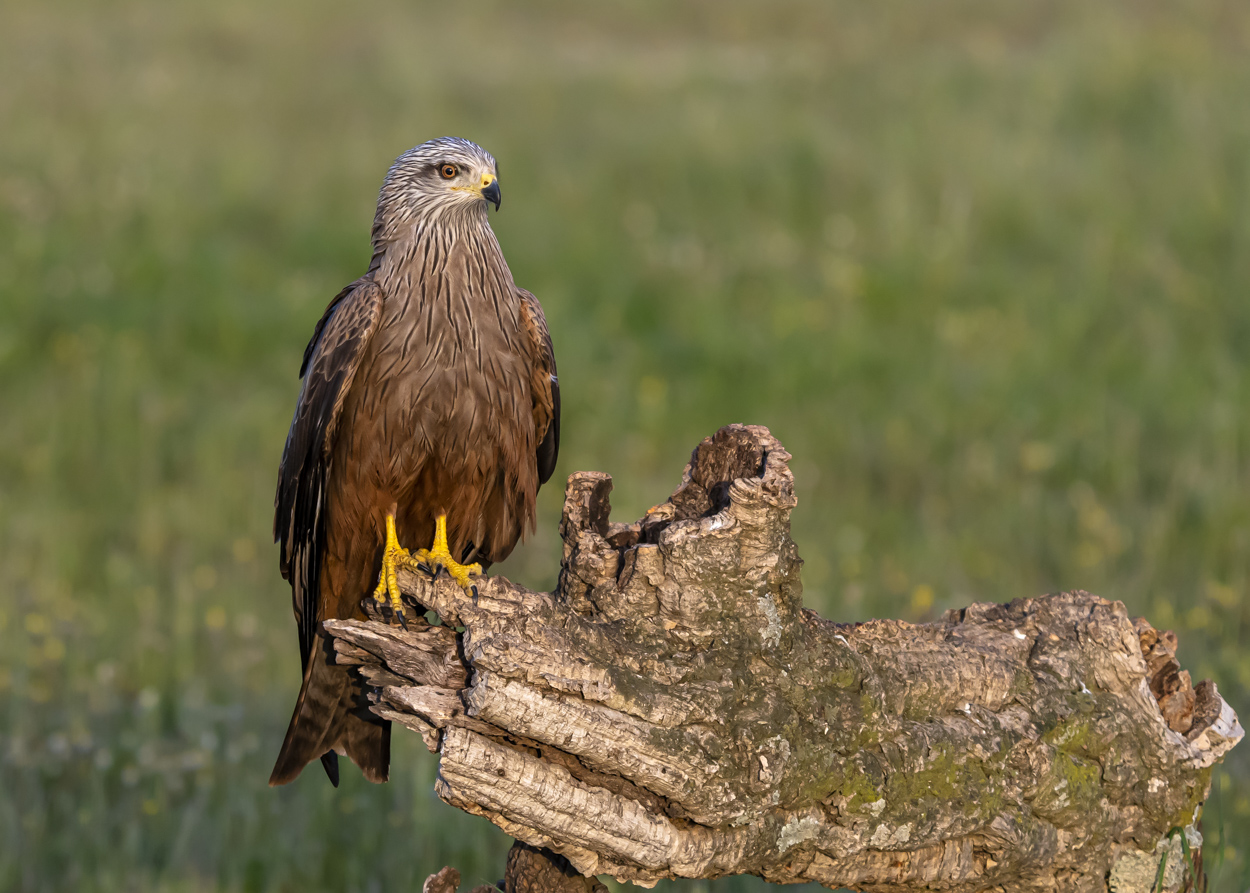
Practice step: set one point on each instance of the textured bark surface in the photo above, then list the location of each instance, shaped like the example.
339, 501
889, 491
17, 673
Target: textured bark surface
672, 711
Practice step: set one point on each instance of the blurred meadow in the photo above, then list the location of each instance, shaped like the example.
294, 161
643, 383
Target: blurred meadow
983, 267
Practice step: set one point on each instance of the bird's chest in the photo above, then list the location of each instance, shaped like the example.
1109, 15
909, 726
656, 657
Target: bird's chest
447, 372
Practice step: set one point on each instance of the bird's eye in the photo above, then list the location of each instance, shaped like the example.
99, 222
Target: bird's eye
448, 171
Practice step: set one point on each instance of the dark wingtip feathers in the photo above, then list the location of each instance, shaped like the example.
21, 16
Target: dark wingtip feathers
330, 760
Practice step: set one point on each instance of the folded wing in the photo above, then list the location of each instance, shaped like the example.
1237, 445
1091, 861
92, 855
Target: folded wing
330, 363
544, 385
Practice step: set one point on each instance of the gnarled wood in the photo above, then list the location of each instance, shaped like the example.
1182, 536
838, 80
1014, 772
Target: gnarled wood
672, 710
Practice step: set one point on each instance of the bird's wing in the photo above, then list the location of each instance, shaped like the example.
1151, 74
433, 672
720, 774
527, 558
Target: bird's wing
544, 385
330, 363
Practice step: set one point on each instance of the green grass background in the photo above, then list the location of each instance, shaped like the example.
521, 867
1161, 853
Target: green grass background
981, 266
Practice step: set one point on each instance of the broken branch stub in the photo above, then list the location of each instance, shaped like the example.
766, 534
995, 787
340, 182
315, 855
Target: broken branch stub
672, 711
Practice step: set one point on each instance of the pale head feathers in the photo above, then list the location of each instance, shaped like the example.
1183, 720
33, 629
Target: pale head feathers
438, 183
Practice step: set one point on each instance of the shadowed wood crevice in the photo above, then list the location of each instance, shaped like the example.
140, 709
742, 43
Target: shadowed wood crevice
672, 711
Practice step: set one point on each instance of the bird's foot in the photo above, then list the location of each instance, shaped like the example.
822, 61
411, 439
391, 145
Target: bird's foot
440, 556
394, 556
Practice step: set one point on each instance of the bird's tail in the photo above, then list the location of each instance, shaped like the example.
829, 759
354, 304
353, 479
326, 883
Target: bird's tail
331, 718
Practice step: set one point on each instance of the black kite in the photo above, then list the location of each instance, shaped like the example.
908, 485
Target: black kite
430, 403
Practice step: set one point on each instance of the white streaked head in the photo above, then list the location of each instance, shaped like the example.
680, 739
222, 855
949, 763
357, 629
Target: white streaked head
448, 174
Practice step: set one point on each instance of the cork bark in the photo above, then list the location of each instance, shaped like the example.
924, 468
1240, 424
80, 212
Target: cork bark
672, 710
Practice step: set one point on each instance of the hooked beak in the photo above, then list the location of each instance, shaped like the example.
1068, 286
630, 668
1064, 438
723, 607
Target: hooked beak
490, 189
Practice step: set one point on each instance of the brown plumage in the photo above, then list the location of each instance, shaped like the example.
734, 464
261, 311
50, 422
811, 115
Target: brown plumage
429, 387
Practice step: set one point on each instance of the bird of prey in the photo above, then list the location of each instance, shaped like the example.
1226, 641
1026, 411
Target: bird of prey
429, 404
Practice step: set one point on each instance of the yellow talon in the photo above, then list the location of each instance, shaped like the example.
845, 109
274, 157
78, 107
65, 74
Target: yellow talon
440, 556
394, 556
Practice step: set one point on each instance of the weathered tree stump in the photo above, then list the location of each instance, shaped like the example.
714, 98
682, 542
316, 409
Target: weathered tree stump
672, 711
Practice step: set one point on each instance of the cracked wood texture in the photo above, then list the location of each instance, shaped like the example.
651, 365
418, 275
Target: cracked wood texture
672, 710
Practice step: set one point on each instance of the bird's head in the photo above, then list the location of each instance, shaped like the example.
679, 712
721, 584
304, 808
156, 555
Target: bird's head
446, 176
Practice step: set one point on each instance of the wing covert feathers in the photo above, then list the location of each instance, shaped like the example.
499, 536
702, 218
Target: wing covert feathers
544, 385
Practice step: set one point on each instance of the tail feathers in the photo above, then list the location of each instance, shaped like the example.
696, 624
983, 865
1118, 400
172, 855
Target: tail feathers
332, 717
368, 743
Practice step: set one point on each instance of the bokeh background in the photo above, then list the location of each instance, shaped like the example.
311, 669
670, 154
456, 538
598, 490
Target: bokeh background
982, 266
